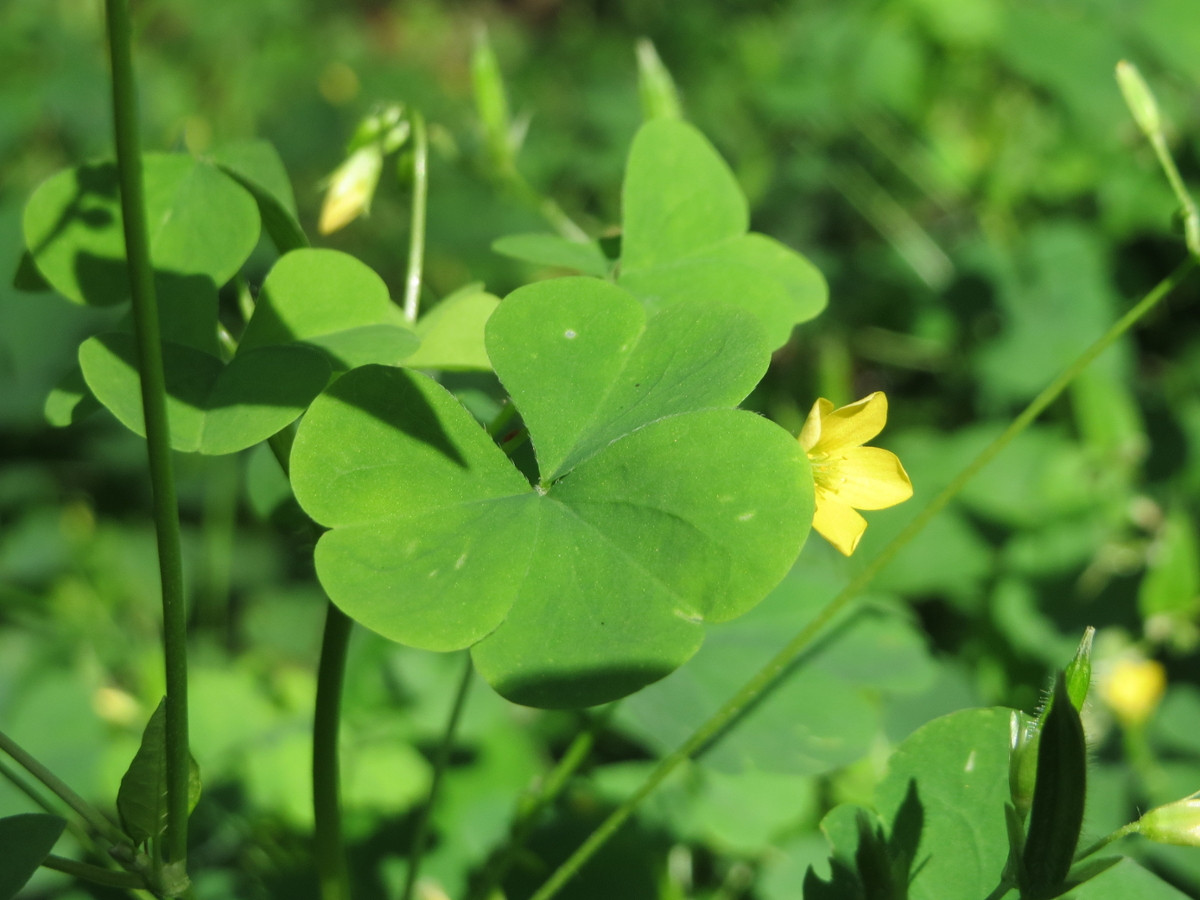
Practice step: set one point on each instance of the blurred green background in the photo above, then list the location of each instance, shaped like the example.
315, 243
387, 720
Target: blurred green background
964, 173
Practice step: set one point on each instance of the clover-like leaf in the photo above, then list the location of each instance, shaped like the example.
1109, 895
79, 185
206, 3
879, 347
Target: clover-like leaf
658, 505
452, 333
201, 223
256, 166
25, 840
329, 300
685, 236
213, 408
554, 250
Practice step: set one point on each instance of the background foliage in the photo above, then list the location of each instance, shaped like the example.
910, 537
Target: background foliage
965, 175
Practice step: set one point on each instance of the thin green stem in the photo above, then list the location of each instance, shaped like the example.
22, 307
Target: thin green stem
154, 407
784, 659
327, 809
440, 762
77, 831
416, 241
1121, 832
548, 208
532, 807
1191, 216
96, 819
94, 874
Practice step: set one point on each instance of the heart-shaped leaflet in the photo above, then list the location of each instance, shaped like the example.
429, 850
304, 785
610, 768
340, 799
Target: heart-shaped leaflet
658, 507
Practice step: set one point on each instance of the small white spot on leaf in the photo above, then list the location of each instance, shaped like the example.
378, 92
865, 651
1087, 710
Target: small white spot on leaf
569, 334
746, 517
970, 766
434, 573
461, 561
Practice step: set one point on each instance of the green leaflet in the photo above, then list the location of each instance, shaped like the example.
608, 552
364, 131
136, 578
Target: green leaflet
213, 408
658, 507
25, 840
451, 333
959, 766
554, 250
685, 236
256, 166
331, 301
142, 798
202, 224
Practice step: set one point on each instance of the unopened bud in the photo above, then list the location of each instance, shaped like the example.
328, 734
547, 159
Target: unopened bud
656, 88
491, 102
351, 188
1079, 670
1134, 689
1139, 99
1174, 823
1022, 761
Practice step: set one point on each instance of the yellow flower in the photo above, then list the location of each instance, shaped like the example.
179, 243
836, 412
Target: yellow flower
1133, 690
847, 475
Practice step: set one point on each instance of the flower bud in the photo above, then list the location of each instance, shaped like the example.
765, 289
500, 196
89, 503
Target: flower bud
1022, 761
351, 188
1174, 823
1139, 99
656, 88
1079, 670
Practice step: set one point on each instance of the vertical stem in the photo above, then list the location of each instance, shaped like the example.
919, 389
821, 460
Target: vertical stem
441, 761
154, 407
327, 809
416, 242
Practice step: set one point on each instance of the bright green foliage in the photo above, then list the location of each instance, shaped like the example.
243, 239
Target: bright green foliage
658, 506
1126, 880
552, 250
257, 167
142, 799
822, 716
213, 408
71, 400
25, 840
959, 765
685, 236
1171, 587
331, 301
451, 333
201, 224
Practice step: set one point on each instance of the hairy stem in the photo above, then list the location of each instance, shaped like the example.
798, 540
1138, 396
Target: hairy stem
327, 810
94, 818
440, 762
416, 241
154, 408
781, 662
94, 874
1121, 832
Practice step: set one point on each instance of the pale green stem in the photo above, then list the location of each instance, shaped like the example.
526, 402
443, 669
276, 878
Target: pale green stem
783, 660
96, 819
154, 408
77, 831
1121, 832
1191, 216
440, 763
416, 241
94, 874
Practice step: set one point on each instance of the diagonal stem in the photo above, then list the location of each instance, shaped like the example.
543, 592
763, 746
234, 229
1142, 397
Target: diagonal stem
327, 811
440, 763
94, 874
154, 407
769, 673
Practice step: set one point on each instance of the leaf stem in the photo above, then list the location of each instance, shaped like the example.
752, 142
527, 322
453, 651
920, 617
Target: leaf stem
440, 763
327, 810
532, 807
783, 660
154, 406
416, 241
78, 831
95, 874
1121, 832
96, 819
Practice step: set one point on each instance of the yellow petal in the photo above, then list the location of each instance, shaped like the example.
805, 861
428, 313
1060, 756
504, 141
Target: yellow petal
838, 523
851, 426
811, 432
351, 188
865, 478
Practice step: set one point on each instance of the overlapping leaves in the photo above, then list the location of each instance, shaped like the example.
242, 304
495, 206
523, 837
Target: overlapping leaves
658, 506
686, 240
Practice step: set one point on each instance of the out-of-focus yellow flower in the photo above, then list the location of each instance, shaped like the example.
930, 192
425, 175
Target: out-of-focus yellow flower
351, 188
847, 475
1133, 690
